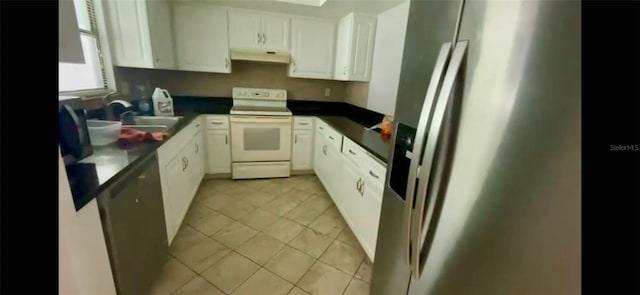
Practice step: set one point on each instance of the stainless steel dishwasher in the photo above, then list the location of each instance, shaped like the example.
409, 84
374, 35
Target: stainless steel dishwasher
133, 222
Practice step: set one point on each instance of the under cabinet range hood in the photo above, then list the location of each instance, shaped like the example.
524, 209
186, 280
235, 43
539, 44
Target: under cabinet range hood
261, 55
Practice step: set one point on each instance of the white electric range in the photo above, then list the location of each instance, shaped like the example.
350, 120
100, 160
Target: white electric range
260, 133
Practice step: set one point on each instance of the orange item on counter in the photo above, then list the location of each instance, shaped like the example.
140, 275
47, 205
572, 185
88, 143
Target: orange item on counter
386, 124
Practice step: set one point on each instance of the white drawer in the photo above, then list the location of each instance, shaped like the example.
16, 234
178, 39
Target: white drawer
331, 135
321, 126
217, 122
353, 151
302, 123
374, 172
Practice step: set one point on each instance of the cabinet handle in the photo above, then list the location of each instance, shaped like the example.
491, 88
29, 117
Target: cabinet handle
373, 174
358, 185
344, 71
226, 139
184, 163
351, 152
303, 123
197, 125
295, 139
197, 148
321, 128
362, 188
324, 149
216, 122
264, 38
226, 63
331, 137
293, 63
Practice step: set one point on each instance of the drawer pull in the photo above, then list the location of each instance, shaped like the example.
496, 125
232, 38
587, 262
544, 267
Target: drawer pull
320, 127
331, 137
304, 124
197, 125
351, 152
216, 122
373, 174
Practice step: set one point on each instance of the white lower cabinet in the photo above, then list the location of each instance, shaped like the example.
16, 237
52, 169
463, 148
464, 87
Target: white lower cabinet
176, 181
219, 151
302, 150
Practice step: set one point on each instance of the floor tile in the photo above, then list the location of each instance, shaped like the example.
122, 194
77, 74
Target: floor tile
186, 237
276, 188
196, 212
239, 191
347, 237
234, 235
343, 257
258, 183
216, 201
260, 248
357, 287
237, 209
281, 205
173, 275
297, 291
303, 215
284, 230
329, 224
299, 196
259, 219
324, 279
264, 282
202, 255
198, 286
259, 198
290, 264
311, 242
364, 271
316, 202
230, 272
212, 223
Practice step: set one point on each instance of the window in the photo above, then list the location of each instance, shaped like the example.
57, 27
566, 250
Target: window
90, 75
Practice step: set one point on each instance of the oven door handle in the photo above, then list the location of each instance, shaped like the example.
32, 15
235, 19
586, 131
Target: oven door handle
265, 120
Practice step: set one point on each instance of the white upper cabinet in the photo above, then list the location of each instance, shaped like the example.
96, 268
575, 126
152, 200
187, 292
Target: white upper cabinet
354, 47
140, 33
312, 48
201, 37
254, 30
69, 45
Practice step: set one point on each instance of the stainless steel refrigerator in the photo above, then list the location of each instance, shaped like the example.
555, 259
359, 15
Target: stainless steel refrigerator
482, 193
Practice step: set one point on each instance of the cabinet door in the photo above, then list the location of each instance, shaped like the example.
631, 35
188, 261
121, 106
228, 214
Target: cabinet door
128, 28
343, 48
159, 13
317, 155
219, 151
175, 172
312, 49
349, 194
362, 48
302, 156
202, 42
275, 33
368, 217
244, 30
333, 160
195, 165
69, 45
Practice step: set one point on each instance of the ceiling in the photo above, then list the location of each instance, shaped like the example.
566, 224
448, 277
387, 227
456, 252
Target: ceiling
330, 9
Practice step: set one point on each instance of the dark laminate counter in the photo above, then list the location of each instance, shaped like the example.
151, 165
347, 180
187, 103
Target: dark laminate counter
97, 172
94, 174
372, 141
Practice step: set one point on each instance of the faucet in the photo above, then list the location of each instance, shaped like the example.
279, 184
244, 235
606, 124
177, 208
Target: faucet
125, 114
108, 105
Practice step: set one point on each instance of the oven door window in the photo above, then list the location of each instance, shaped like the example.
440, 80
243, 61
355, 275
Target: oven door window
262, 139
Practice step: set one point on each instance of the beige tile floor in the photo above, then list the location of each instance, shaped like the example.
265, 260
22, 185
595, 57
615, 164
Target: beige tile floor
270, 236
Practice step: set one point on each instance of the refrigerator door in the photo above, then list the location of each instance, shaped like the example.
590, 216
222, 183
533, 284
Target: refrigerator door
505, 187
431, 24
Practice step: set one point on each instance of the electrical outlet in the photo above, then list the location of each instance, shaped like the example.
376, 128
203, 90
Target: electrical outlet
327, 91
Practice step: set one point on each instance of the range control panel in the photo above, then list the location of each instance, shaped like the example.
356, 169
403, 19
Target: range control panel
259, 93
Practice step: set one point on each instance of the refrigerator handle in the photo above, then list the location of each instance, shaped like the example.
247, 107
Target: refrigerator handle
423, 123
419, 220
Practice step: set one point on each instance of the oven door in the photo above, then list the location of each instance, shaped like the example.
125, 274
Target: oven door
260, 138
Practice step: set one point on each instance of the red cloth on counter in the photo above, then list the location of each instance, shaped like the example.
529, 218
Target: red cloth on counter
130, 135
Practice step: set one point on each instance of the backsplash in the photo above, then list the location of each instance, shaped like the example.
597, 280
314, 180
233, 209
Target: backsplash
244, 74
357, 93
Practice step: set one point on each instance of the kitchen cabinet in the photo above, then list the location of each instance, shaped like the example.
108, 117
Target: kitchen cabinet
140, 33
195, 163
354, 47
302, 156
201, 35
177, 184
69, 45
312, 48
368, 216
219, 151
260, 31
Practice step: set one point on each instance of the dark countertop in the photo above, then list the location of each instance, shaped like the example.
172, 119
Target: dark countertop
370, 140
94, 174
107, 164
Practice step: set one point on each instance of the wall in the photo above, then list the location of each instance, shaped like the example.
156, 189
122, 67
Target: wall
356, 93
244, 74
387, 59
